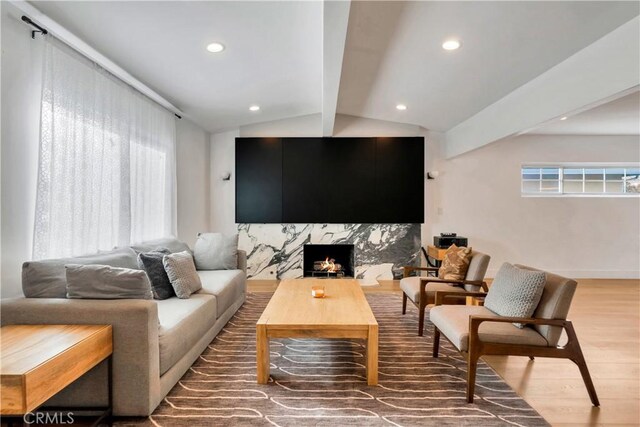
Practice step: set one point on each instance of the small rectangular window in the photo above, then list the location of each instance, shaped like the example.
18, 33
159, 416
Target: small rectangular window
584, 180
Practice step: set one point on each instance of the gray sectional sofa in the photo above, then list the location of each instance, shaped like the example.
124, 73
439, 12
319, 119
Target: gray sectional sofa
155, 341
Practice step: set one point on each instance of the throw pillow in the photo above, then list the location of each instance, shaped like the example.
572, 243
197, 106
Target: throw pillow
455, 263
182, 273
151, 262
47, 278
95, 281
515, 292
215, 251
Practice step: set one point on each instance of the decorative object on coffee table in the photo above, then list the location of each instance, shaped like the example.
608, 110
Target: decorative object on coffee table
317, 291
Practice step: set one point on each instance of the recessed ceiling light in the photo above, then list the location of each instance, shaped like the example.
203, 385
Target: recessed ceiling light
215, 47
401, 107
564, 118
254, 108
451, 44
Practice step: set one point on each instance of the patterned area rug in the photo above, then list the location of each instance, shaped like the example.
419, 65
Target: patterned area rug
322, 382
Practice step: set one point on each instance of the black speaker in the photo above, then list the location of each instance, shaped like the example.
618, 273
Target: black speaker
444, 242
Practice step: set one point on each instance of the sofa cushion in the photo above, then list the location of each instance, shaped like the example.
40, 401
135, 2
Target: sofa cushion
453, 322
411, 287
554, 303
182, 323
477, 269
226, 285
47, 278
151, 263
174, 245
215, 251
515, 292
182, 273
95, 281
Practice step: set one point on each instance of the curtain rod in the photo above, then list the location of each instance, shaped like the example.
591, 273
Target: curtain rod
33, 24
52, 27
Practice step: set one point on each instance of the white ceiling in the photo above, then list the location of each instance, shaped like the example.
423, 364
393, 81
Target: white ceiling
618, 117
273, 55
393, 54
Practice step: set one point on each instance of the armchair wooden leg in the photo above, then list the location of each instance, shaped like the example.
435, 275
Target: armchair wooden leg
404, 303
532, 358
578, 358
472, 366
421, 320
436, 341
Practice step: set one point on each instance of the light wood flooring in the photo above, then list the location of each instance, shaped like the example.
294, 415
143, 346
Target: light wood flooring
606, 316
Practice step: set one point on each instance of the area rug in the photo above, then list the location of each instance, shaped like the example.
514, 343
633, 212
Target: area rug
322, 382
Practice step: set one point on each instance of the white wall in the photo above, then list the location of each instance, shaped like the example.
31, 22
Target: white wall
223, 193
21, 82
192, 173
309, 125
478, 196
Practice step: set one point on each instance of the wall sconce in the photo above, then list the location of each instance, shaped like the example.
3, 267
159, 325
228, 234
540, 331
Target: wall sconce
433, 174
226, 176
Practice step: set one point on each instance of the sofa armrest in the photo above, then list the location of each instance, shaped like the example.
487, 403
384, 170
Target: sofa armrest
136, 358
242, 261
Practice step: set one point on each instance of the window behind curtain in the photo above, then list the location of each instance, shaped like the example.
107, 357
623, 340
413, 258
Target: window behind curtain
106, 175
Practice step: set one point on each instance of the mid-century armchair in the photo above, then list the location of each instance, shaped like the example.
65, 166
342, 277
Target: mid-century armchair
421, 290
476, 331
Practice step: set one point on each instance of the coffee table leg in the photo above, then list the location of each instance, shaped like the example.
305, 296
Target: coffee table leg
262, 353
372, 355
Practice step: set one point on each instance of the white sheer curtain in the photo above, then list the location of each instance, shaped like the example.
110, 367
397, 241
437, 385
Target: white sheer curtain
106, 175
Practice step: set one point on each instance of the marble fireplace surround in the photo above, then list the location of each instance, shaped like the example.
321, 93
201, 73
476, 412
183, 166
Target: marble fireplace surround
274, 251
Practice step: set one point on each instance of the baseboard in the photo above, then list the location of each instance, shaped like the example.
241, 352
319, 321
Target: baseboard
586, 274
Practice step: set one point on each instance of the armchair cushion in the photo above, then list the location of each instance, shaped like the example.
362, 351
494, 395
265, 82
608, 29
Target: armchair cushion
411, 287
554, 304
515, 292
477, 269
455, 263
453, 322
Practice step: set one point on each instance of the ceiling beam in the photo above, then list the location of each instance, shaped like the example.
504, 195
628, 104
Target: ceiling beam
335, 20
604, 70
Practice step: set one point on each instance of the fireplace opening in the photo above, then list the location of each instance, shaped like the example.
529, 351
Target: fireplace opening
328, 261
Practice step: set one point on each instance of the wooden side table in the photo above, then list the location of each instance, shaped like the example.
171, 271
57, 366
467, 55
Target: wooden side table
37, 361
435, 254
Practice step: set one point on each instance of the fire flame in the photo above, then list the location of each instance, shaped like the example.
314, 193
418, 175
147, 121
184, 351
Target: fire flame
329, 265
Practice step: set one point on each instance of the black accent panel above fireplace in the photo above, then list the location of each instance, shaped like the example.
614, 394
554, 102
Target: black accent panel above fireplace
330, 180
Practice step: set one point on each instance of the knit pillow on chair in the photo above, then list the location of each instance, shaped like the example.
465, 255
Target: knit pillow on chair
455, 263
515, 292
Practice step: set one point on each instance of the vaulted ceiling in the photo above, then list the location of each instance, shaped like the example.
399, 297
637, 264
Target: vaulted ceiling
360, 58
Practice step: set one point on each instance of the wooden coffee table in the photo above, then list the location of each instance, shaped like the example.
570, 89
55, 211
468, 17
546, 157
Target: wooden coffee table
37, 361
293, 313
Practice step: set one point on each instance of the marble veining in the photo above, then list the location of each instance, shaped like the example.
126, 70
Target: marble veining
275, 250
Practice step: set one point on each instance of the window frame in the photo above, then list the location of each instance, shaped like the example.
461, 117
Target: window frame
575, 165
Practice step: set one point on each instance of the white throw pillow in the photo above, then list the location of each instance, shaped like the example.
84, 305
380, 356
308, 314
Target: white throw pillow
215, 251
